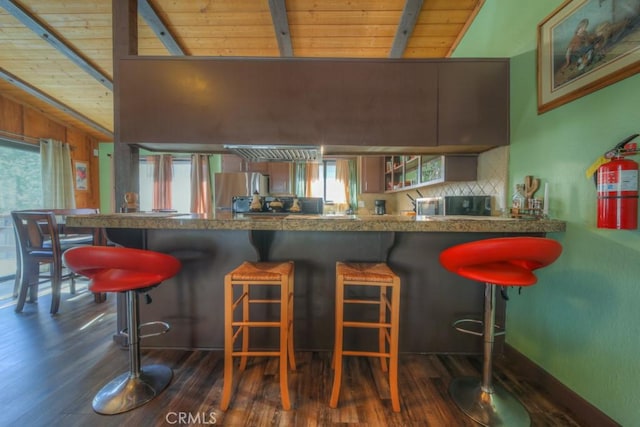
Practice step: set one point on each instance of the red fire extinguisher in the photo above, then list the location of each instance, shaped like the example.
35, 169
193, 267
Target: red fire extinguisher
617, 183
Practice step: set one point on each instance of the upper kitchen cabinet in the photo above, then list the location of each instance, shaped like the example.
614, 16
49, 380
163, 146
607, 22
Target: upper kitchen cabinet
356, 103
279, 175
473, 103
414, 171
233, 163
371, 174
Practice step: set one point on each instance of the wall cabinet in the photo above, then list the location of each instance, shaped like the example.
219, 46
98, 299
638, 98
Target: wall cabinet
406, 172
371, 174
279, 175
233, 163
374, 102
473, 103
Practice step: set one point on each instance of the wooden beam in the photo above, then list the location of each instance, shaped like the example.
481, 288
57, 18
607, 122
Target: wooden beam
21, 84
408, 20
153, 20
281, 26
35, 25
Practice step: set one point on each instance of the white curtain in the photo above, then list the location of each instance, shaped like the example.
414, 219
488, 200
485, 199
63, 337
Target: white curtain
342, 179
201, 197
162, 177
57, 175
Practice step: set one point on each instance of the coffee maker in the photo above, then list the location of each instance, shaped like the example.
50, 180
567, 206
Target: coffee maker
380, 207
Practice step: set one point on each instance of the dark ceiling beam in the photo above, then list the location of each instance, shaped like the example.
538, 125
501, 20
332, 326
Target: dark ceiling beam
35, 25
281, 26
153, 20
17, 82
408, 20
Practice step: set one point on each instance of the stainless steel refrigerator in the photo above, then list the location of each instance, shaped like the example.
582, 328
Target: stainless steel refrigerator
228, 185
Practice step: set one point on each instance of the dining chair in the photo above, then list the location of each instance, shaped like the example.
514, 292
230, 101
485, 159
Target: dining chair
38, 241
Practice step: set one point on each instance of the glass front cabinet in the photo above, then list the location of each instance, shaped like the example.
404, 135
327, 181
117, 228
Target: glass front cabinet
406, 172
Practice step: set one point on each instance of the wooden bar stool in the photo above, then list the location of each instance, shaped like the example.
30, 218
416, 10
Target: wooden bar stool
506, 261
130, 271
376, 275
246, 276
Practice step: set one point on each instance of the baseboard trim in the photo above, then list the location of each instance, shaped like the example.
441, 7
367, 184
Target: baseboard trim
582, 411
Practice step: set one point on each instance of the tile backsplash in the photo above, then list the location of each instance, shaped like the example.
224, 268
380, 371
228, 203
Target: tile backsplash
493, 166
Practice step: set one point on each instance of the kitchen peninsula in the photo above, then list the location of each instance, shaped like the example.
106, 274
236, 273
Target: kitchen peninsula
209, 247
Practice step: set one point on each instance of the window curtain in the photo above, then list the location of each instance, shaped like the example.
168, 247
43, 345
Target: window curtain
312, 177
162, 176
300, 180
346, 178
200, 184
57, 175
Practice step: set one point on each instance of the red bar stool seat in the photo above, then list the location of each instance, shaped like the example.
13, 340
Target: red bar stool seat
377, 275
506, 261
246, 279
115, 269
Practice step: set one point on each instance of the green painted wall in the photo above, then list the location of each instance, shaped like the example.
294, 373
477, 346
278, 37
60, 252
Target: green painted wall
581, 321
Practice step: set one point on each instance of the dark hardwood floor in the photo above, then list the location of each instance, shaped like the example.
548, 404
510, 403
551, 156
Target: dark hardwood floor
52, 367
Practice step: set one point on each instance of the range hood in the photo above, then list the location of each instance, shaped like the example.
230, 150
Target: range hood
277, 153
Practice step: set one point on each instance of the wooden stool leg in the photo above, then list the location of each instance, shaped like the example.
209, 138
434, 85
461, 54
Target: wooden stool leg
382, 318
337, 350
245, 329
393, 345
228, 343
292, 357
284, 343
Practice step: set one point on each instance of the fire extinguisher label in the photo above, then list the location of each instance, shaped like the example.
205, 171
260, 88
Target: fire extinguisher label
628, 181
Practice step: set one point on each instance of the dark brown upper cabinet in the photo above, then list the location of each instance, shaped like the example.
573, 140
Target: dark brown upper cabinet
473, 103
204, 103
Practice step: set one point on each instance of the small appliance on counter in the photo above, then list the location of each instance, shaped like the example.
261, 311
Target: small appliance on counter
453, 205
380, 207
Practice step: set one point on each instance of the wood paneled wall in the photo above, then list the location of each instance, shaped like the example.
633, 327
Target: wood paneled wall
19, 119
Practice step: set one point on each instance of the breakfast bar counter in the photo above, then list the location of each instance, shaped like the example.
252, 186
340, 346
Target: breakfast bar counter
209, 247
300, 222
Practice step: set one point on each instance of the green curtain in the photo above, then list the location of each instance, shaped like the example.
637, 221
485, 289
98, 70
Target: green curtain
300, 175
353, 184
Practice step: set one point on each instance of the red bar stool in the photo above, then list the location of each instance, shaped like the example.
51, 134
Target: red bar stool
506, 261
115, 269
247, 276
368, 275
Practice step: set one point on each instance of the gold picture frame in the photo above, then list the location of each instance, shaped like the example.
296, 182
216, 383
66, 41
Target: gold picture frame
81, 175
585, 45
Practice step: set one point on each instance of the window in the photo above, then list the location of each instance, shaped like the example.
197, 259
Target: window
180, 185
21, 189
326, 184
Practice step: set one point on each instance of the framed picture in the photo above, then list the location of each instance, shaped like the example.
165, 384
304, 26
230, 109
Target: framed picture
81, 175
585, 45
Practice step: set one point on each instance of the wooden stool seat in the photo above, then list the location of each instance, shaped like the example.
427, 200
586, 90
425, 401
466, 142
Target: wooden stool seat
246, 276
376, 275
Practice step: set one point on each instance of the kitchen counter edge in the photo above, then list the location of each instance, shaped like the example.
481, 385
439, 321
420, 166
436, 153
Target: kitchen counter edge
398, 223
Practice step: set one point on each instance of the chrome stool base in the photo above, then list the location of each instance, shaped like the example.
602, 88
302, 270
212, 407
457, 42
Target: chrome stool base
499, 408
128, 391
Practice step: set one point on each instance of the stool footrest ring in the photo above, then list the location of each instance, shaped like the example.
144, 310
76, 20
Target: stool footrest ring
458, 322
165, 328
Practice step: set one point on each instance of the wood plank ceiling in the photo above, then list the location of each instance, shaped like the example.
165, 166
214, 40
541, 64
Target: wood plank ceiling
56, 55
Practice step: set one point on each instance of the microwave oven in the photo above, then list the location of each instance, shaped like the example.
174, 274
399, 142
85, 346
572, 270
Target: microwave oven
452, 205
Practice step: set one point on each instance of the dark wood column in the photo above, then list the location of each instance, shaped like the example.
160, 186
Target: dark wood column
125, 156
125, 43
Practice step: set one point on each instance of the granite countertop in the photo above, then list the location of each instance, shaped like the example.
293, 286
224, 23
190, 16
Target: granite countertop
298, 222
